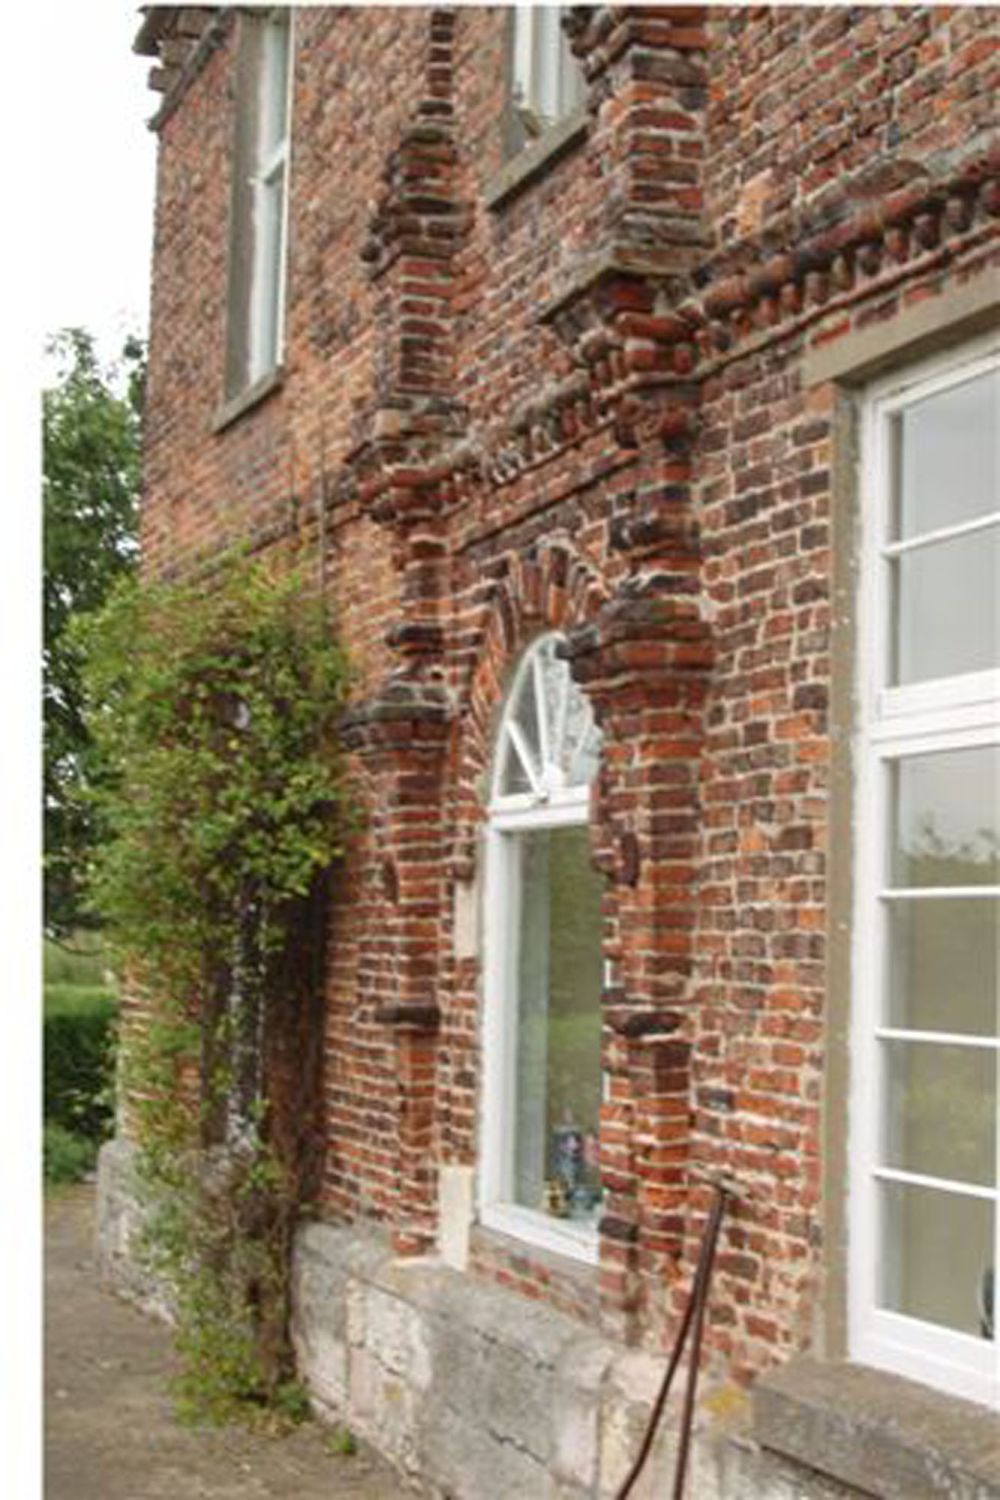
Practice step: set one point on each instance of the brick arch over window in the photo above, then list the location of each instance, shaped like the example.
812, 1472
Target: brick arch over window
554, 589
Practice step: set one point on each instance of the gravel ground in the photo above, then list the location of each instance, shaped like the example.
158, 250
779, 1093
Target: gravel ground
109, 1431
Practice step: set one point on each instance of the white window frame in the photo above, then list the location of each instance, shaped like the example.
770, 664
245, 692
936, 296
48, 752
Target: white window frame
267, 286
547, 806
255, 337
546, 79
950, 713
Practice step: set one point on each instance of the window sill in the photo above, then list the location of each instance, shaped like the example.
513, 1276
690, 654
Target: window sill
535, 160
538, 1232
869, 1429
254, 394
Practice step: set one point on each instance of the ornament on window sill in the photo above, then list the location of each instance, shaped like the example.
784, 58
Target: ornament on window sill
572, 1191
556, 1200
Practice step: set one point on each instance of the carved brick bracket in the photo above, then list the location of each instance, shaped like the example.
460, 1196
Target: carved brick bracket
648, 636
405, 715
633, 347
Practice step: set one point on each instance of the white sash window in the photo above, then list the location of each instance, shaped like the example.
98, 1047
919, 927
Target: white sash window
260, 199
539, 1176
925, 1227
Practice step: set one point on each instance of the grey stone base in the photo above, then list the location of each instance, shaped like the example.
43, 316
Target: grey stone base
473, 1392
118, 1225
483, 1396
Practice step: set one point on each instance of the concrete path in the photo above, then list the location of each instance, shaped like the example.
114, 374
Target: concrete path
109, 1432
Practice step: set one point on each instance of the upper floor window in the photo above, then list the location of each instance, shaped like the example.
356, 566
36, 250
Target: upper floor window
259, 201
540, 1177
925, 1233
547, 82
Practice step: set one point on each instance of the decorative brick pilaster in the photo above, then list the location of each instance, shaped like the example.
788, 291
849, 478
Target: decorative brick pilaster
399, 736
406, 472
645, 664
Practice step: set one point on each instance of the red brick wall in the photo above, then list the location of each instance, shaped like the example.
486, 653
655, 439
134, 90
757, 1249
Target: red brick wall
483, 432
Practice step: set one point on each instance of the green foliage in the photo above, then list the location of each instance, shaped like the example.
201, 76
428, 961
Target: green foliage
78, 1039
341, 1442
221, 806
66, 1156
90, 464
214, 708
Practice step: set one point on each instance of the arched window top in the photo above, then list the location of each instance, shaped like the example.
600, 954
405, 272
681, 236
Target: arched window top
548, 745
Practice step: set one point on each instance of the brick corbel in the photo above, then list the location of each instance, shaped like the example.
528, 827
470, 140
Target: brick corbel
633, 337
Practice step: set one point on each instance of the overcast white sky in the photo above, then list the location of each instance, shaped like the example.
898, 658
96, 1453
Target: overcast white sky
75, 249
97, 173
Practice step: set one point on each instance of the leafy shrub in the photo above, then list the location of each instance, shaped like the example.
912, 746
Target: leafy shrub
222, 801
66, 1157
78, 1041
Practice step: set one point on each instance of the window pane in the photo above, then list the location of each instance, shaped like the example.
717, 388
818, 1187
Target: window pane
572, 85
547, 79
940, 1110
274, 84
526, 717
947, 451
937, 1256
253, 334
580, 747
556, 687
946, 819
546, 62
572, 741
267, 273
943, 965
514, 779
945, 615
558, 1069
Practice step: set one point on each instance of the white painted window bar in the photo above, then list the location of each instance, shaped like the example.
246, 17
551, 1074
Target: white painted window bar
925, 1126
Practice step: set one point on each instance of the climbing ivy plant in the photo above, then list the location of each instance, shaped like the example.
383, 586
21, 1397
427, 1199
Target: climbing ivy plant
222, 804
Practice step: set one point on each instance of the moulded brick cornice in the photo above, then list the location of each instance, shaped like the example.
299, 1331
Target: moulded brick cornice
543, 424
850, 249
638, 328
182, 39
